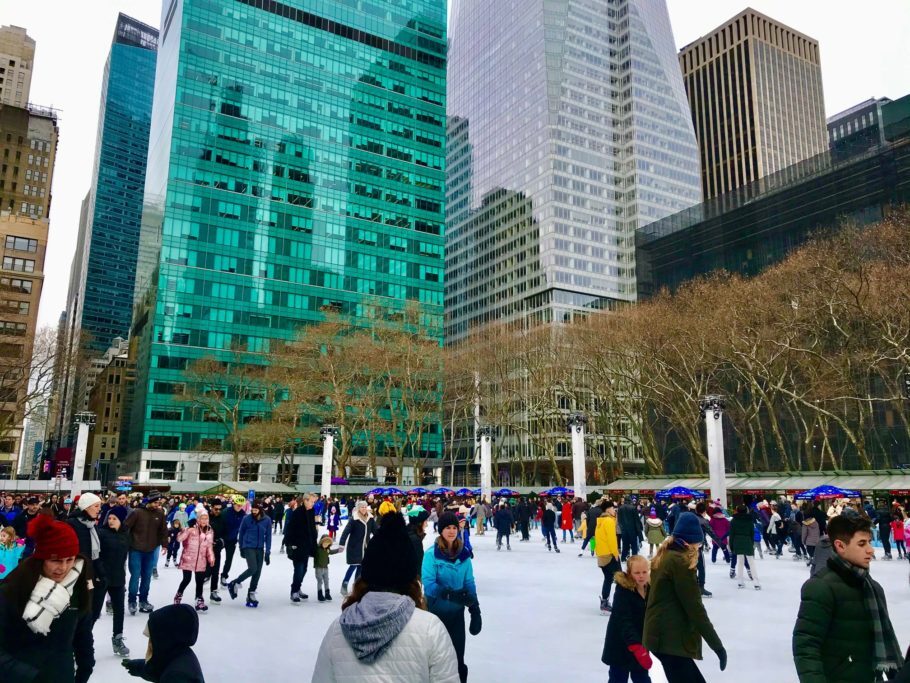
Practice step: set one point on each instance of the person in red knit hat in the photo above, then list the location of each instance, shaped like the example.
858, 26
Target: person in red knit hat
45, 610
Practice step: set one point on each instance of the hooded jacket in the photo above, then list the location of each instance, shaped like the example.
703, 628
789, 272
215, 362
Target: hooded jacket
198, 548
742, 535
367, 644
810, 532
172, 632
654, 530
627, 622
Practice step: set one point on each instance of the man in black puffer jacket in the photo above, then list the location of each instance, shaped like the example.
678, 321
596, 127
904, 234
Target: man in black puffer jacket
843, 633
300, 540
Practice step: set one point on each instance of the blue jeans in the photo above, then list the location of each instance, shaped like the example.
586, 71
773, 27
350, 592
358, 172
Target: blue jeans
141, 565
549, 533
618, 675
353, 570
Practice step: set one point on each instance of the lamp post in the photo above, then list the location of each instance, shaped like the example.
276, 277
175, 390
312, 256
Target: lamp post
712, 411
576, 426
327, 433
484, 436
85, 422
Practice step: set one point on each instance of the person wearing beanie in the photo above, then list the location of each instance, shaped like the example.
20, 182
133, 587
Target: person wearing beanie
503, 521
355, 537
46, 612
198, 556
233, 515
255, 540
384, 633
115, 548
20, 523
172, 631
84, 520
654, 532
300, 540
606, 547
675, 619
448, 583
148, 532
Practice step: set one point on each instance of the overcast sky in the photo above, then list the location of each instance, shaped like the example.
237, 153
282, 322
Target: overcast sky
865, 52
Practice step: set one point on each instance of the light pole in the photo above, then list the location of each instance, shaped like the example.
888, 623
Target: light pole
576, 425
327, 433
484, 437
85, 422
712, 410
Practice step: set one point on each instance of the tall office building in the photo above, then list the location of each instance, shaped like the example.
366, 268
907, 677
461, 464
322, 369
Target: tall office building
28, 141
568, 131
100, 300
17, 54
755, 89
296, 164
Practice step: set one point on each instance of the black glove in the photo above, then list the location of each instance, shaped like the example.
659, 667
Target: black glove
476, 622
722, 656
135, 667
268, 558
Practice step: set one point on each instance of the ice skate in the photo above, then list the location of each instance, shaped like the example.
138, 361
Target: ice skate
201, 606
155, 573
295, 597
214, 597
556, 549
328, 595
758, 586
706, 593
146, 607
605, 607
344, 589
251, 600
232, 590
132, 609
224, 581
178, 598
740, 585
120, 650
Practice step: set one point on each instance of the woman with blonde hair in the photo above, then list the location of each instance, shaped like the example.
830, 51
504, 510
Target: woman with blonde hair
676, 620
623, 650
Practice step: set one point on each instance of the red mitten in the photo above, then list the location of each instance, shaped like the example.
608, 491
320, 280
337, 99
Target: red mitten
641, 656
2, 568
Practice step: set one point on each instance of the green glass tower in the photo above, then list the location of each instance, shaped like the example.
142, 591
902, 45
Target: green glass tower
296, 163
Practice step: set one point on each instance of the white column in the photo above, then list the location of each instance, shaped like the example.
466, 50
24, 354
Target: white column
485, 437
328, 434
579, 472
85, 421
713, 412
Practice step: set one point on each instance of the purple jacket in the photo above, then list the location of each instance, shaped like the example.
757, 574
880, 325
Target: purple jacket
720, 526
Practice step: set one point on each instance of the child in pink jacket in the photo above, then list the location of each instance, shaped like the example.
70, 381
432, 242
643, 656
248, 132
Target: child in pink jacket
198, 556
900, 535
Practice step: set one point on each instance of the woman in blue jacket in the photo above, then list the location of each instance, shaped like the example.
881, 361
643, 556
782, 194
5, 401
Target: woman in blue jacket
255, 541
448, 583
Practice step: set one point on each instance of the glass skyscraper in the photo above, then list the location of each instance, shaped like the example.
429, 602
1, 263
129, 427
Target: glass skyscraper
296, 164
568, 130
100, 300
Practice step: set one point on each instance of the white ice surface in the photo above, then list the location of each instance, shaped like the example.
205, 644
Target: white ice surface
540, 617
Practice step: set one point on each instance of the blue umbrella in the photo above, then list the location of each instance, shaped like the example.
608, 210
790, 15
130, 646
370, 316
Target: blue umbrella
826, 491
558, 491
418, 491
678, 492
376, 492
505, 492
441, 491
476, 492
392, 491
463, 492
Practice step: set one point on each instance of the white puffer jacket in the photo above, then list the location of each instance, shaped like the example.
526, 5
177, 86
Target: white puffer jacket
421, 653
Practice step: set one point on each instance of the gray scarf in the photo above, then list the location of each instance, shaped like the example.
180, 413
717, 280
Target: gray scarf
887, 653
93, 532
372, 624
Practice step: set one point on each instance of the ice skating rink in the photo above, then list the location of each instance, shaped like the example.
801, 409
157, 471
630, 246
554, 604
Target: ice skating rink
540, 618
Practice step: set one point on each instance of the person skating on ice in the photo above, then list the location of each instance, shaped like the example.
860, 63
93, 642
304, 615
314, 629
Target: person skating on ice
115, 547
654, 532
300, 540
742, 546
623, 650
503, 522
843, 633
448, 582
232, 516
606, 547
548, 525
148, 532
354, 539
255, 540
321, 566
675, 619
198, 556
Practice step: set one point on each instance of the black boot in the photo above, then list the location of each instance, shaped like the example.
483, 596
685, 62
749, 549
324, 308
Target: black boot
319, 595
328, 595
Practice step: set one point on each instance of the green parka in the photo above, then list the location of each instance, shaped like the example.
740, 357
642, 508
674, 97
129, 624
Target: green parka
742, 535
676, 620
833, 638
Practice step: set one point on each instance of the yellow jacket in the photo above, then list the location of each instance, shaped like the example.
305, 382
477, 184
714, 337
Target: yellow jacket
605, 539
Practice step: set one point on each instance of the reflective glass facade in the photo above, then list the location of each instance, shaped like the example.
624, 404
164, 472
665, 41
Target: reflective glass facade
101, 294
568, 130
296, 164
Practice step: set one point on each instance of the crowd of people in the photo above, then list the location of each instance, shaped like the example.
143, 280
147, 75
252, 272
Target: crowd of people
407, 607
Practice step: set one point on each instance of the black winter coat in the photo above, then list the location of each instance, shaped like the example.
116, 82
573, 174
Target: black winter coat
115, 547
84, 534
629, 521
549, 519
355, 537
627, 622
417, 542
503, 520
300, 534
27, 657
524, 513
173, 631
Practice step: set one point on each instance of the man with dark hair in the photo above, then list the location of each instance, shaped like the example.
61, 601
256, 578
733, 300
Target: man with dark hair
843, 633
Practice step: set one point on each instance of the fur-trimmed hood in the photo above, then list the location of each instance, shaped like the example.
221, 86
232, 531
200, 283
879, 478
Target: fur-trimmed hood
626, 581
654, 522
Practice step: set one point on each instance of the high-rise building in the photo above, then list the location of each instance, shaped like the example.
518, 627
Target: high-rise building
858, 127
100, 300
23, 244
568, 130
108, 401
296, 164
17, 54
28, 142
755, 90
